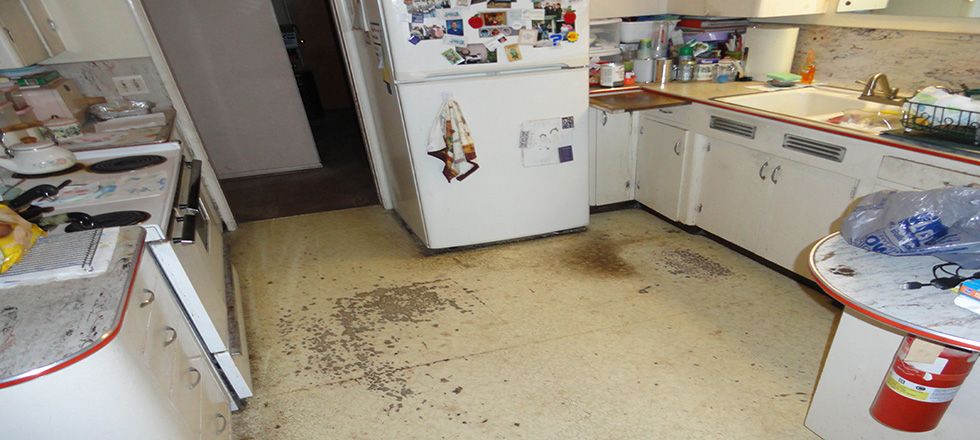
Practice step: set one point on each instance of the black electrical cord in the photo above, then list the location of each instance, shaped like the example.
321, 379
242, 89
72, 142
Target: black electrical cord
942, 282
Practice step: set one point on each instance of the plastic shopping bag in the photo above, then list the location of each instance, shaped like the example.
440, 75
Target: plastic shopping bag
944, 223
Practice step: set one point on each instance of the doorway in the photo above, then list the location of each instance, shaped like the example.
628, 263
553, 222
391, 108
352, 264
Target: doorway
345, 180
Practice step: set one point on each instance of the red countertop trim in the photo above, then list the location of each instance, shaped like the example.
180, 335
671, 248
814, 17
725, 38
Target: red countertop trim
91, 350
871, 313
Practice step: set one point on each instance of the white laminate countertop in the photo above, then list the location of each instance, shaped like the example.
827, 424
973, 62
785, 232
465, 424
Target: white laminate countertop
871, 284
46, 327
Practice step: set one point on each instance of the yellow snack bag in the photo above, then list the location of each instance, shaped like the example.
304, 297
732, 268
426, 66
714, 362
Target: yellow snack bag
17, 236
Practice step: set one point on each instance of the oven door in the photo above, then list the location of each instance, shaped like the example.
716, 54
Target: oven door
195, 246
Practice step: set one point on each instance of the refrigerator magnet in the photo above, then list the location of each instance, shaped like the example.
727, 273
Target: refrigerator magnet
454, 27
452, 56
451, 40
528, 36
513, 52
494, 18
414, 39
463, 3
499, 4
495, 43
565, 154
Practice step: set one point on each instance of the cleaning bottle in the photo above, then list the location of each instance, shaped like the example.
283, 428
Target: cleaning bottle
810, 68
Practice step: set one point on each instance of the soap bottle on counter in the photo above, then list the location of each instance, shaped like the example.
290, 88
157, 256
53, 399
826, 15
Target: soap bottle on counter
810, 68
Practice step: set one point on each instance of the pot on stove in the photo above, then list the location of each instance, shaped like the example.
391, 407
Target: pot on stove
37, 158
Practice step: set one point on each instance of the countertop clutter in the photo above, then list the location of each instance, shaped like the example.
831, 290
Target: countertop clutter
48, 326
707, 93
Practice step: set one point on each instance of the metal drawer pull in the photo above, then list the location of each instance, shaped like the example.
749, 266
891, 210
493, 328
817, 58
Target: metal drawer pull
171, 338
676, 146
774, 171
224, 423
149, 299
197, 378
605, 118
665, 111
762, 171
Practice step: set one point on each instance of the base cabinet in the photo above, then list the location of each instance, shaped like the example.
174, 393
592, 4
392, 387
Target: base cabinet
152, 381
611, 148
660, 158
772, 206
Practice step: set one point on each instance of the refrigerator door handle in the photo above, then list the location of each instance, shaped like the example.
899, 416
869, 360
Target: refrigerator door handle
453, 76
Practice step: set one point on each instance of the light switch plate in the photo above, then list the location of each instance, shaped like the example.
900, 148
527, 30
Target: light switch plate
130, 85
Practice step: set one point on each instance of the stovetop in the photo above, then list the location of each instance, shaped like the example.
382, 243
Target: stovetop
110, 187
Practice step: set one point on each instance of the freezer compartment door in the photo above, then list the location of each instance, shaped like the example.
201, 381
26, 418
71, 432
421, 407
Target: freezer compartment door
417, 42
504, 199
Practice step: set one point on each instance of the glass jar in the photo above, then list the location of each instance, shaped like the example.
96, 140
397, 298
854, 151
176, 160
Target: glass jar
685, 70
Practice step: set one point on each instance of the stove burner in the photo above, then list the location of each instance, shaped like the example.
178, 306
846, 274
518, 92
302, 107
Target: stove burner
69, 170
110, 219
128, 163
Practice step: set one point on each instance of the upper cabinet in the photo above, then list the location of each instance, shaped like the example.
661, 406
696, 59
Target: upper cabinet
626, 8
746, 8
29, 34
65, 31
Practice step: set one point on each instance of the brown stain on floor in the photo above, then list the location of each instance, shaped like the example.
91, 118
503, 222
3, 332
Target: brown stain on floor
358, 339
691, 264
599, 256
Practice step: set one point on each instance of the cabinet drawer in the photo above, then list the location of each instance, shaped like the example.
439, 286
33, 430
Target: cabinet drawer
677, 115
921, 176
188, 378
215, 412
137, 319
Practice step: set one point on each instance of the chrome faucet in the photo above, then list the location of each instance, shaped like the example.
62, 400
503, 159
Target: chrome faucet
880, 81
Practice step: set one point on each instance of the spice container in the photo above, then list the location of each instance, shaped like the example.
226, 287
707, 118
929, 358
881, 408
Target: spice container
685, 64
63, 128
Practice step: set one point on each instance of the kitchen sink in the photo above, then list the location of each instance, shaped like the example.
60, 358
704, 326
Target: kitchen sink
822, 104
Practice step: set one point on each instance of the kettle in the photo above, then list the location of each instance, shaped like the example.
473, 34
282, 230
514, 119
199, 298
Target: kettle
36, 158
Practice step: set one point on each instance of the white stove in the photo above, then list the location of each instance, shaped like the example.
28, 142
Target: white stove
152, 185
104, 186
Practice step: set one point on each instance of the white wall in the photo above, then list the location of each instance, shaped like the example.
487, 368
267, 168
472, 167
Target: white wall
234, 74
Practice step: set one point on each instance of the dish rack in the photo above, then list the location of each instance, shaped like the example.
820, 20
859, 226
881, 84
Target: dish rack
943, 122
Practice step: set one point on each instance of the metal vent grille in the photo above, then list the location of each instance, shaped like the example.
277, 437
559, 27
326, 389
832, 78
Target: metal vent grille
822, 150
733, 127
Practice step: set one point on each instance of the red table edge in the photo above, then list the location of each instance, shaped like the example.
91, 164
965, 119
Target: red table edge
106, 339
840, 297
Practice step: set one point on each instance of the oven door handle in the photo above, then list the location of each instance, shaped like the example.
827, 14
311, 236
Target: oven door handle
188, 203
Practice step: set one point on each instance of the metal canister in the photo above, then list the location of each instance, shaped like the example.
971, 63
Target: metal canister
663, 71
612, 75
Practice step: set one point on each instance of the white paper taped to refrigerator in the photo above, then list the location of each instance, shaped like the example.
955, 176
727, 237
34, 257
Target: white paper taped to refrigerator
547, 141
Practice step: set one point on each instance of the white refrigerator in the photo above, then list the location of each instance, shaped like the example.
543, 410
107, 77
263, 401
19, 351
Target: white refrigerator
526, 111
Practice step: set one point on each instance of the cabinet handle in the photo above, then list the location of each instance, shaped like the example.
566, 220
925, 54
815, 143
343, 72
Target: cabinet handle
677, 145
149, 299
10, 35
774, 171
669, 112
224, 423
605, 116
171, 337
197, 377
762, 171
52, 25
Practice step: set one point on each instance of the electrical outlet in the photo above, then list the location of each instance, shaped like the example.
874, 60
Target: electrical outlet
130, 85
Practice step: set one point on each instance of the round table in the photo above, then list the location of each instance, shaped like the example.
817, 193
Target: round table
871, 284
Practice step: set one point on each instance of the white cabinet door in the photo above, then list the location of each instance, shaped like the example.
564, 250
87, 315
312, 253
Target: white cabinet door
660, 154
805, 205
22, 42
734, 193
626, 8
745, 8
613, 158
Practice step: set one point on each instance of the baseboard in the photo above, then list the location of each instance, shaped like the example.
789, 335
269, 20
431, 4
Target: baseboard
268, 171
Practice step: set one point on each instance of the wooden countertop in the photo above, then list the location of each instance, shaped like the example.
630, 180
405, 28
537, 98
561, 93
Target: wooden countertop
628, 101
870, 284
